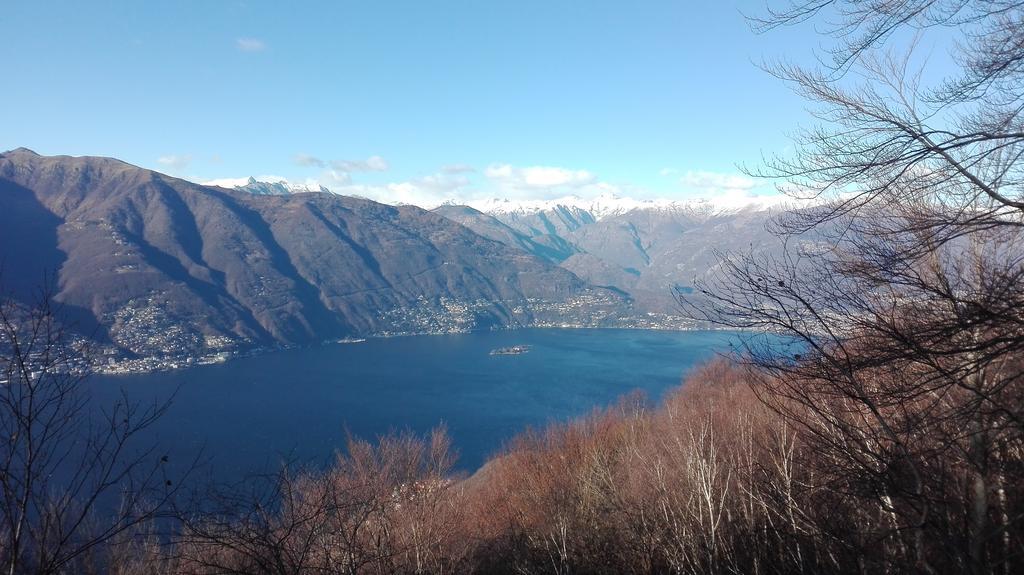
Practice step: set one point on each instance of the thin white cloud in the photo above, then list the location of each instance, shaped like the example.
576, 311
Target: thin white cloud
730, 190
250, 45
452, 183
444, 183
337, 174
538, 178
371, 164
307, 161
500, 182
665, 172
425, 191
457, 169
175, 162
332, 179
715, 181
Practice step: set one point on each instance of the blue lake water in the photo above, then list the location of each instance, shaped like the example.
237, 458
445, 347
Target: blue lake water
248, 414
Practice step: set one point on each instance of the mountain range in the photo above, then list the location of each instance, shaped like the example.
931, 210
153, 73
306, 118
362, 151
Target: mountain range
150, 265
648, 253
646, 249
158, 266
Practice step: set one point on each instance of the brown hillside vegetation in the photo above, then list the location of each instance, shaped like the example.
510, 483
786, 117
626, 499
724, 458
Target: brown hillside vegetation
864, 457
712, 481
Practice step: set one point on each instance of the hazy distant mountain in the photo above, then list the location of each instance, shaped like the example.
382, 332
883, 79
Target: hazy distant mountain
160, 265
650, 253
533, 233
647, 249
609, 204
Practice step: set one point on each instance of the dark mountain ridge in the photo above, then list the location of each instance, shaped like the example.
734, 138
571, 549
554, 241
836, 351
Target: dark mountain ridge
160, 266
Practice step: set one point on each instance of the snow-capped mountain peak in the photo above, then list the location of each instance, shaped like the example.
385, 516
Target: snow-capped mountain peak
267, 186
603, 205
608, 204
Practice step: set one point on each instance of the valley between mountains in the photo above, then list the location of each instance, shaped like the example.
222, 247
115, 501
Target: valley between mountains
161, 272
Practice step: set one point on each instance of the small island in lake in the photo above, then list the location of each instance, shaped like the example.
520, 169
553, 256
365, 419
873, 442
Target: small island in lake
513, 350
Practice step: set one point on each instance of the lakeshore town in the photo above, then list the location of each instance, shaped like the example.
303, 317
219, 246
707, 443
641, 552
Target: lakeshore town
148, 339
161, 345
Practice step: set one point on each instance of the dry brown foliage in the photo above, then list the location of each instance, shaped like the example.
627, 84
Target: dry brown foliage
384, 508
714, 480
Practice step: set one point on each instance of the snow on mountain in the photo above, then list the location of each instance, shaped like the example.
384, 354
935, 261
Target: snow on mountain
608, 204
267, 186
594, 208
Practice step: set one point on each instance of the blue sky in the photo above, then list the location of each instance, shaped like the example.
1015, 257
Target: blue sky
406, 101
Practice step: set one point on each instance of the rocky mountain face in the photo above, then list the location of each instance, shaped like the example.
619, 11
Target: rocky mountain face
646, 250
156, 265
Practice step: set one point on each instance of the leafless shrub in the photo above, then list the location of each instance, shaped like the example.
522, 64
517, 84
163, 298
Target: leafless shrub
63, 464
385, 508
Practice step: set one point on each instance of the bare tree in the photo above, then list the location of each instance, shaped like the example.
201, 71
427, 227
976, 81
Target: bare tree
951, 150
385, 508
901, 289
71, 477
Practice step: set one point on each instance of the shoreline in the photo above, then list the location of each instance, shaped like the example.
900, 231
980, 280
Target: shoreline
181, 363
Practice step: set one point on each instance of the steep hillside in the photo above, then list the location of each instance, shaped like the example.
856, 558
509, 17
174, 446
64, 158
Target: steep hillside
645, 249
550, 246
161, 266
